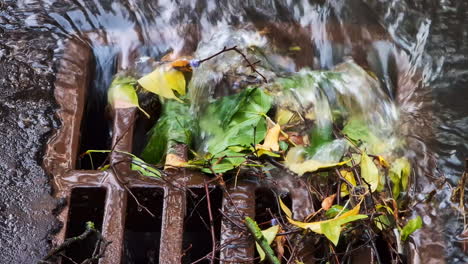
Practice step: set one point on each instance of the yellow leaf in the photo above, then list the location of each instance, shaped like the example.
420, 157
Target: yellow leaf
173, 160
284, 116
164, 82
348, 175
261, 152
285, 209
383, 162
316, 226
311, 166
271, 139
269, 234
369, 172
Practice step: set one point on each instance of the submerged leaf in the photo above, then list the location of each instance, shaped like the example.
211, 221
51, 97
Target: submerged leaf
237, 120
369, 172
412, 225
269, 234
122, 94
164, 81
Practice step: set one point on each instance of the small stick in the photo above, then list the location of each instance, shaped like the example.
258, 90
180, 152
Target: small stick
213, 237
69, 241
249, 64
260, 239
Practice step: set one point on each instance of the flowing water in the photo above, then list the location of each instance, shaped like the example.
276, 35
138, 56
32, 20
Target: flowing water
418, 49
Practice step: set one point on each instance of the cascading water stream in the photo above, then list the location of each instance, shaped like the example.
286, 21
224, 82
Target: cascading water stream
388, 39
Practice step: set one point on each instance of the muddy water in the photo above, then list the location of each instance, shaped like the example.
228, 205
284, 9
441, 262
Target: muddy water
419, 50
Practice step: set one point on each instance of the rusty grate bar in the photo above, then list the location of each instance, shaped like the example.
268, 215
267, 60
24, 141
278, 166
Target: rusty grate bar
72, 82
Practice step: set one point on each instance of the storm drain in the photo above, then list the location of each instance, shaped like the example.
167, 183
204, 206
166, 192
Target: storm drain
179, 231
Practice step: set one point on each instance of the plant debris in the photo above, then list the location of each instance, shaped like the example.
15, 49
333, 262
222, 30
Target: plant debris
321, 127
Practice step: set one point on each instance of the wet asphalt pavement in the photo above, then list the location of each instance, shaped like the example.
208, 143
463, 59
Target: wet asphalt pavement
26, 120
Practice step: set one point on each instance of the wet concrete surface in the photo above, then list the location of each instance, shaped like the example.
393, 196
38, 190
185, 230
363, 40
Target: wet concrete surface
26, 120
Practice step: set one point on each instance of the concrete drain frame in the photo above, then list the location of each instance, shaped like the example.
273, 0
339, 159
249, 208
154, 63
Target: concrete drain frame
71, 85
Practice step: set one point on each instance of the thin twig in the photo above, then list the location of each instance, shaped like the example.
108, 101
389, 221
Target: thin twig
131, 193
210, 215
249, 64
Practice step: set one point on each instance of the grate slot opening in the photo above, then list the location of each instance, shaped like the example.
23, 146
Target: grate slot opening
197, 241
86, 204
96, 125
142, 231
267, 208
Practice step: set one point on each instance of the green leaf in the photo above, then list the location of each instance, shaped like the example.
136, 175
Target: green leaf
269, 234
283, 145
225, 161
332, 228
412, 225
175, 125
335, 210
359, 132
382, 222
369, 172
122, 94
399, 173
236, 120
319, 136
144, 168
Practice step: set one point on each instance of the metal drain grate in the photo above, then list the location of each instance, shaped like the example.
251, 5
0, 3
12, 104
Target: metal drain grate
73, 78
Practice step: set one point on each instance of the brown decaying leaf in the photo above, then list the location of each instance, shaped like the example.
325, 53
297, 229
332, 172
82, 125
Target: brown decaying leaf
173, 160
279, 241
328, 202
294, 137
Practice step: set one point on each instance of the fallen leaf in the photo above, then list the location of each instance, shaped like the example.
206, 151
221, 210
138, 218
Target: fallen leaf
173, 160
399, 175
383, 162
285, 209
122, 94
310, 166
280, 241
164, 82
335, 210
348, 175
332, 227
328, 202
144, 168
269, 234
369, 172
412, 225
271, 140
